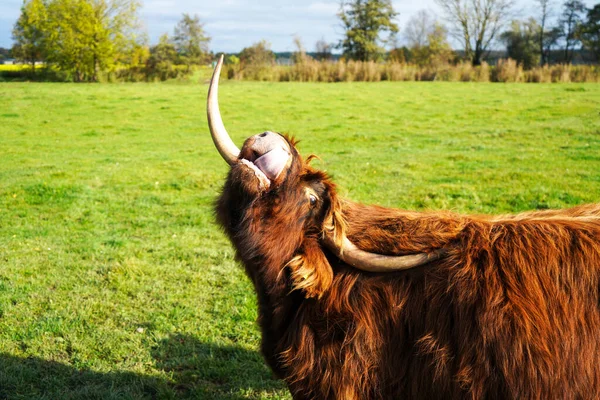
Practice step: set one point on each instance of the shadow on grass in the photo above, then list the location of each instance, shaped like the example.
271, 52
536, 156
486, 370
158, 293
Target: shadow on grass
193, 370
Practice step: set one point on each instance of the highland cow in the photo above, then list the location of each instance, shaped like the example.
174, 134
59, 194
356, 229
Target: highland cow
366, 302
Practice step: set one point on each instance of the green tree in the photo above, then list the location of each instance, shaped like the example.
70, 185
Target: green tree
120, 20
86, 37
589, 31
438, 50
29, 32
522, 42
259, 54
115, 26
71, 27
161, 63
400, 55
5, 53
428, 40
232, 59
364, 21
191, 41
134, 52
569, 23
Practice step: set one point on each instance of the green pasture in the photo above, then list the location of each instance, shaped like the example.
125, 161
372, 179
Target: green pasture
116, 283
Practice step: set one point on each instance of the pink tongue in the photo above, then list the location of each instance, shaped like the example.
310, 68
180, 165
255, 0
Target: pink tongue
272, 163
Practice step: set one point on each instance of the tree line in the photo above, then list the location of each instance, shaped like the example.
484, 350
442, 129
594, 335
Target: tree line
536, 42
478, 25
85, 40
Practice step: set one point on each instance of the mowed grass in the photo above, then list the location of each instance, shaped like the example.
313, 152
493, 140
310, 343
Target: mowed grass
116, 283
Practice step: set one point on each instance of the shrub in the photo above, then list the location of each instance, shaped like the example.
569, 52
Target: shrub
585, 73
507, 71
539, 75
482, 73
328, 71
561, 73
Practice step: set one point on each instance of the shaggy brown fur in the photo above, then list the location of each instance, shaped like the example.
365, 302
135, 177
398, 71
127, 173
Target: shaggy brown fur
512, 310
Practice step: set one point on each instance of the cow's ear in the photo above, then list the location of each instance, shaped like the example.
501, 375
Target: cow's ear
310, 270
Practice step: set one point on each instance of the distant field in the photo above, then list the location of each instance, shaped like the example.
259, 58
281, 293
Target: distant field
115, 282
12, 67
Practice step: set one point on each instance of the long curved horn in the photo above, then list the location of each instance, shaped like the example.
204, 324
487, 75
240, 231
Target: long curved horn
373, 262
223, 142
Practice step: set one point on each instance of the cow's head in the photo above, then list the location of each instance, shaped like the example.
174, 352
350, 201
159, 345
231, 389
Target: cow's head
270, 182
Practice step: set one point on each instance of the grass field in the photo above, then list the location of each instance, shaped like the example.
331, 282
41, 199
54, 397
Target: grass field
115, 282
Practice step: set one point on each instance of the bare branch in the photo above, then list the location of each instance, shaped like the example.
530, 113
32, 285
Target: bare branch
476, 23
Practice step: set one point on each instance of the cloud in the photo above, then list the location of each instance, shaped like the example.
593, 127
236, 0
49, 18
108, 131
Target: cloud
324, 8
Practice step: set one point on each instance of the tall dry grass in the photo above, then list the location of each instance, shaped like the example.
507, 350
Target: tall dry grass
356, 71
507, 71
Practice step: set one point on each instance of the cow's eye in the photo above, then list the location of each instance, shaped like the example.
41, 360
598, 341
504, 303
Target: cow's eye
313, 199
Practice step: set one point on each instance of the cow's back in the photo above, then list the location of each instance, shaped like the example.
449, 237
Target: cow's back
513, 311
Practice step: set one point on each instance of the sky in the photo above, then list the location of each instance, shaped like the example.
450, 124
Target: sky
235, 24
